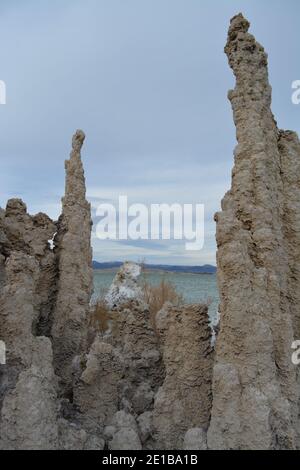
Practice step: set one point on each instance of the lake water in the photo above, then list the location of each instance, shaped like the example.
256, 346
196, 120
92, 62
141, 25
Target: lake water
195, 288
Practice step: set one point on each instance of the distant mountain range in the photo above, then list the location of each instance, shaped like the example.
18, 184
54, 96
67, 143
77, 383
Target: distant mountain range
206, 269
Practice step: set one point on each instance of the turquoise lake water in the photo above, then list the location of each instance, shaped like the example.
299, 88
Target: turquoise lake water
195, 288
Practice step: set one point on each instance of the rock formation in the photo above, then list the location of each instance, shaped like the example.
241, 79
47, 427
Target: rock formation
125, 286
137, 342
96, 395
157, 383
124, 433
122, 374
28, 389
195, 439
43, 290
2, 242
62, 388
255, 390
75, 281
145, 385
184, 399
31, 235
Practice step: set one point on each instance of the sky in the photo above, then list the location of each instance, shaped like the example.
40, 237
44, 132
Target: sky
147, 81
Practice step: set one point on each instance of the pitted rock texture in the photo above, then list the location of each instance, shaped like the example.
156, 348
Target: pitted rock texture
138, 344
96, 394
195, 439
73, 437
75, 281
255, 391
23, 233
148, 384
144, 386
28, 387
3, 241
123, 432
121, 376
184, 399
32, 274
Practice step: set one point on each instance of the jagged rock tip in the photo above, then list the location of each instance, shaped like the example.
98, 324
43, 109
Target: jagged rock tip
78, 139
238, 23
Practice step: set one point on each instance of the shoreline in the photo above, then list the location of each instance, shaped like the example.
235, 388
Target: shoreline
150, 271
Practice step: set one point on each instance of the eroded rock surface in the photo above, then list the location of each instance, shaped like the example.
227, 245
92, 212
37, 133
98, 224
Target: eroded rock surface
32, 276
147, 382
27, 234
28, 388
138, 344
124, 432
96, 394
75, 281
255, 391
184, 399
123, 372
195, 439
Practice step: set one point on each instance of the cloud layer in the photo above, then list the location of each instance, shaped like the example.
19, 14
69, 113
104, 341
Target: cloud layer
147, 81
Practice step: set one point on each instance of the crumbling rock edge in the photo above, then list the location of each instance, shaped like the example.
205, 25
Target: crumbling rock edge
255, 385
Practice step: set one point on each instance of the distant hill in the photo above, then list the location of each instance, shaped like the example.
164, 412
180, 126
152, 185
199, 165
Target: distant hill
206, 269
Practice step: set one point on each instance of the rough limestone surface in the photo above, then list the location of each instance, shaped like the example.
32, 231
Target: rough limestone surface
125, 286
75, 282
34, 278
124, 432
125, 439
145, 424
134, 337
23, 232
122, 373
255, 391
96, 394
289, 148
45, 288
148, 384
184, 399
28, 386
73, 437
2, 242
195, 439
28, 234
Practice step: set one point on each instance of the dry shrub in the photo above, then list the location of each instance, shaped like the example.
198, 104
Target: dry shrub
157, 295
100, 314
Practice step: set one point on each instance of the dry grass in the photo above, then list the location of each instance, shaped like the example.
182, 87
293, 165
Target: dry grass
100, 315
157, 295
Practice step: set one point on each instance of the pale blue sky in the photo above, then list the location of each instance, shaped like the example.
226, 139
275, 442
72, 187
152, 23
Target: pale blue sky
147, 81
